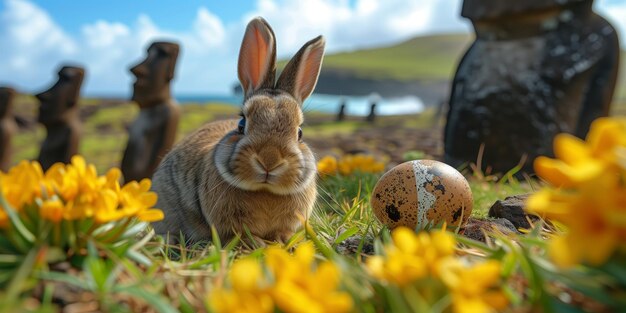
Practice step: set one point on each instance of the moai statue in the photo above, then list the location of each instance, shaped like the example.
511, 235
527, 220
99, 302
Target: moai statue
8, 126
372, 115
152, 134
537, 68
58, 112
341, 115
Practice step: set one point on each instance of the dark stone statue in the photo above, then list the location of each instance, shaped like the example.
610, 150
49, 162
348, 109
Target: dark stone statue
8, 126
58, 112
372, 115
537, 68
341, 115
152, 134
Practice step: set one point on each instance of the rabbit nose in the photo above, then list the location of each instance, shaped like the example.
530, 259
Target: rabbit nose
269, 159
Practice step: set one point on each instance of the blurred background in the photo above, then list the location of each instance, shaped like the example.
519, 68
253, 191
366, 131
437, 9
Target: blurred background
402, 53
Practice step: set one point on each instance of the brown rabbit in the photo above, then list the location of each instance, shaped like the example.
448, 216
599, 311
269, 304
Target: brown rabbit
253, 173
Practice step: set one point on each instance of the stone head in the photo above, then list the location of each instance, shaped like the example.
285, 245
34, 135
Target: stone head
493, 11
6, 98
154, 73
62, 96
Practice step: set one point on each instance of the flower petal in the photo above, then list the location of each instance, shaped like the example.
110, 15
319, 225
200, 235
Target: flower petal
152, 215
571, 149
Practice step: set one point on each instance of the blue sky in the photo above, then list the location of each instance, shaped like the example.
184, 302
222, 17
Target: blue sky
170, 14
107, 37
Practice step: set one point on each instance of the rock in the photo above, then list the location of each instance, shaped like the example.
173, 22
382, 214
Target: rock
476, 228
512, 209
536, 69
351, 246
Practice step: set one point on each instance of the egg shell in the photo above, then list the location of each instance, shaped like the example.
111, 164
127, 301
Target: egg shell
420, 194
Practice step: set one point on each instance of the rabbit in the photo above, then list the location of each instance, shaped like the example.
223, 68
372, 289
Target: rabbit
254, 173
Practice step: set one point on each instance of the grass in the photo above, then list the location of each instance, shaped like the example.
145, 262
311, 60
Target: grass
175, 278
178, 279
167, 278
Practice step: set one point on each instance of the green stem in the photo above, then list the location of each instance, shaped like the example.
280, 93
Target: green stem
15, 220
56, 235
119, 232
28, 264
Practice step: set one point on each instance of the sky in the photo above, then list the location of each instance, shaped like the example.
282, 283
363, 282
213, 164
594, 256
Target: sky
108, 37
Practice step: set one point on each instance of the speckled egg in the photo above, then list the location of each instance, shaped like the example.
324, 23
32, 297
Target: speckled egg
422, 193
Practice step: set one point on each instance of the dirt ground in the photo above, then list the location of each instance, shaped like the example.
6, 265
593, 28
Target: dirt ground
390, 138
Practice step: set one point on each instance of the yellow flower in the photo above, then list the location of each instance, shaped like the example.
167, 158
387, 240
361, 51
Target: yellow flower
293, 284
474, 289
327, 165
248, 293
594, 229
345, 166
577, 160
299, 288
78, 185
412, 256
587, 196
4, 218
52, 210
107, 204
136, 199
75, 191
22, 184
349, 164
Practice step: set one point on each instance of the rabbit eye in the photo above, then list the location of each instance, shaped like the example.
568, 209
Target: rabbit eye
299, 133
242, 125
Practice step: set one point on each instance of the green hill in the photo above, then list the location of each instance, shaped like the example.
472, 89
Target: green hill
421, 58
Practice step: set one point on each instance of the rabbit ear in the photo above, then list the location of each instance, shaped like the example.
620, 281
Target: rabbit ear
300, 74
257, 57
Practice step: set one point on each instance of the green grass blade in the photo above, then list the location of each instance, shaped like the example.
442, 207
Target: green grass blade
16, 221
64, 278
22, 274
157, 302
347, 234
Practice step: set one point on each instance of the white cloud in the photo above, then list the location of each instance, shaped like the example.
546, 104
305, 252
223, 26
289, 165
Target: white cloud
30, 40
367, 23
209, 28
34, 45
103, 34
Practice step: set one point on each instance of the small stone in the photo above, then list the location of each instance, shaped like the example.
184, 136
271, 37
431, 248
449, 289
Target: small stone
512, 209
350, 246
476, 228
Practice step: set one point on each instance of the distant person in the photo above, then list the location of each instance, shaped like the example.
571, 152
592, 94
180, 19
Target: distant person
8, 126
58, 112
152, 134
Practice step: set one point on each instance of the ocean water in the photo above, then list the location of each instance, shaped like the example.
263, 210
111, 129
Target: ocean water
359, 106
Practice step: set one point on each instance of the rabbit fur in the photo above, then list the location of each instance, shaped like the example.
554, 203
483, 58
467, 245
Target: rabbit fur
255, 173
